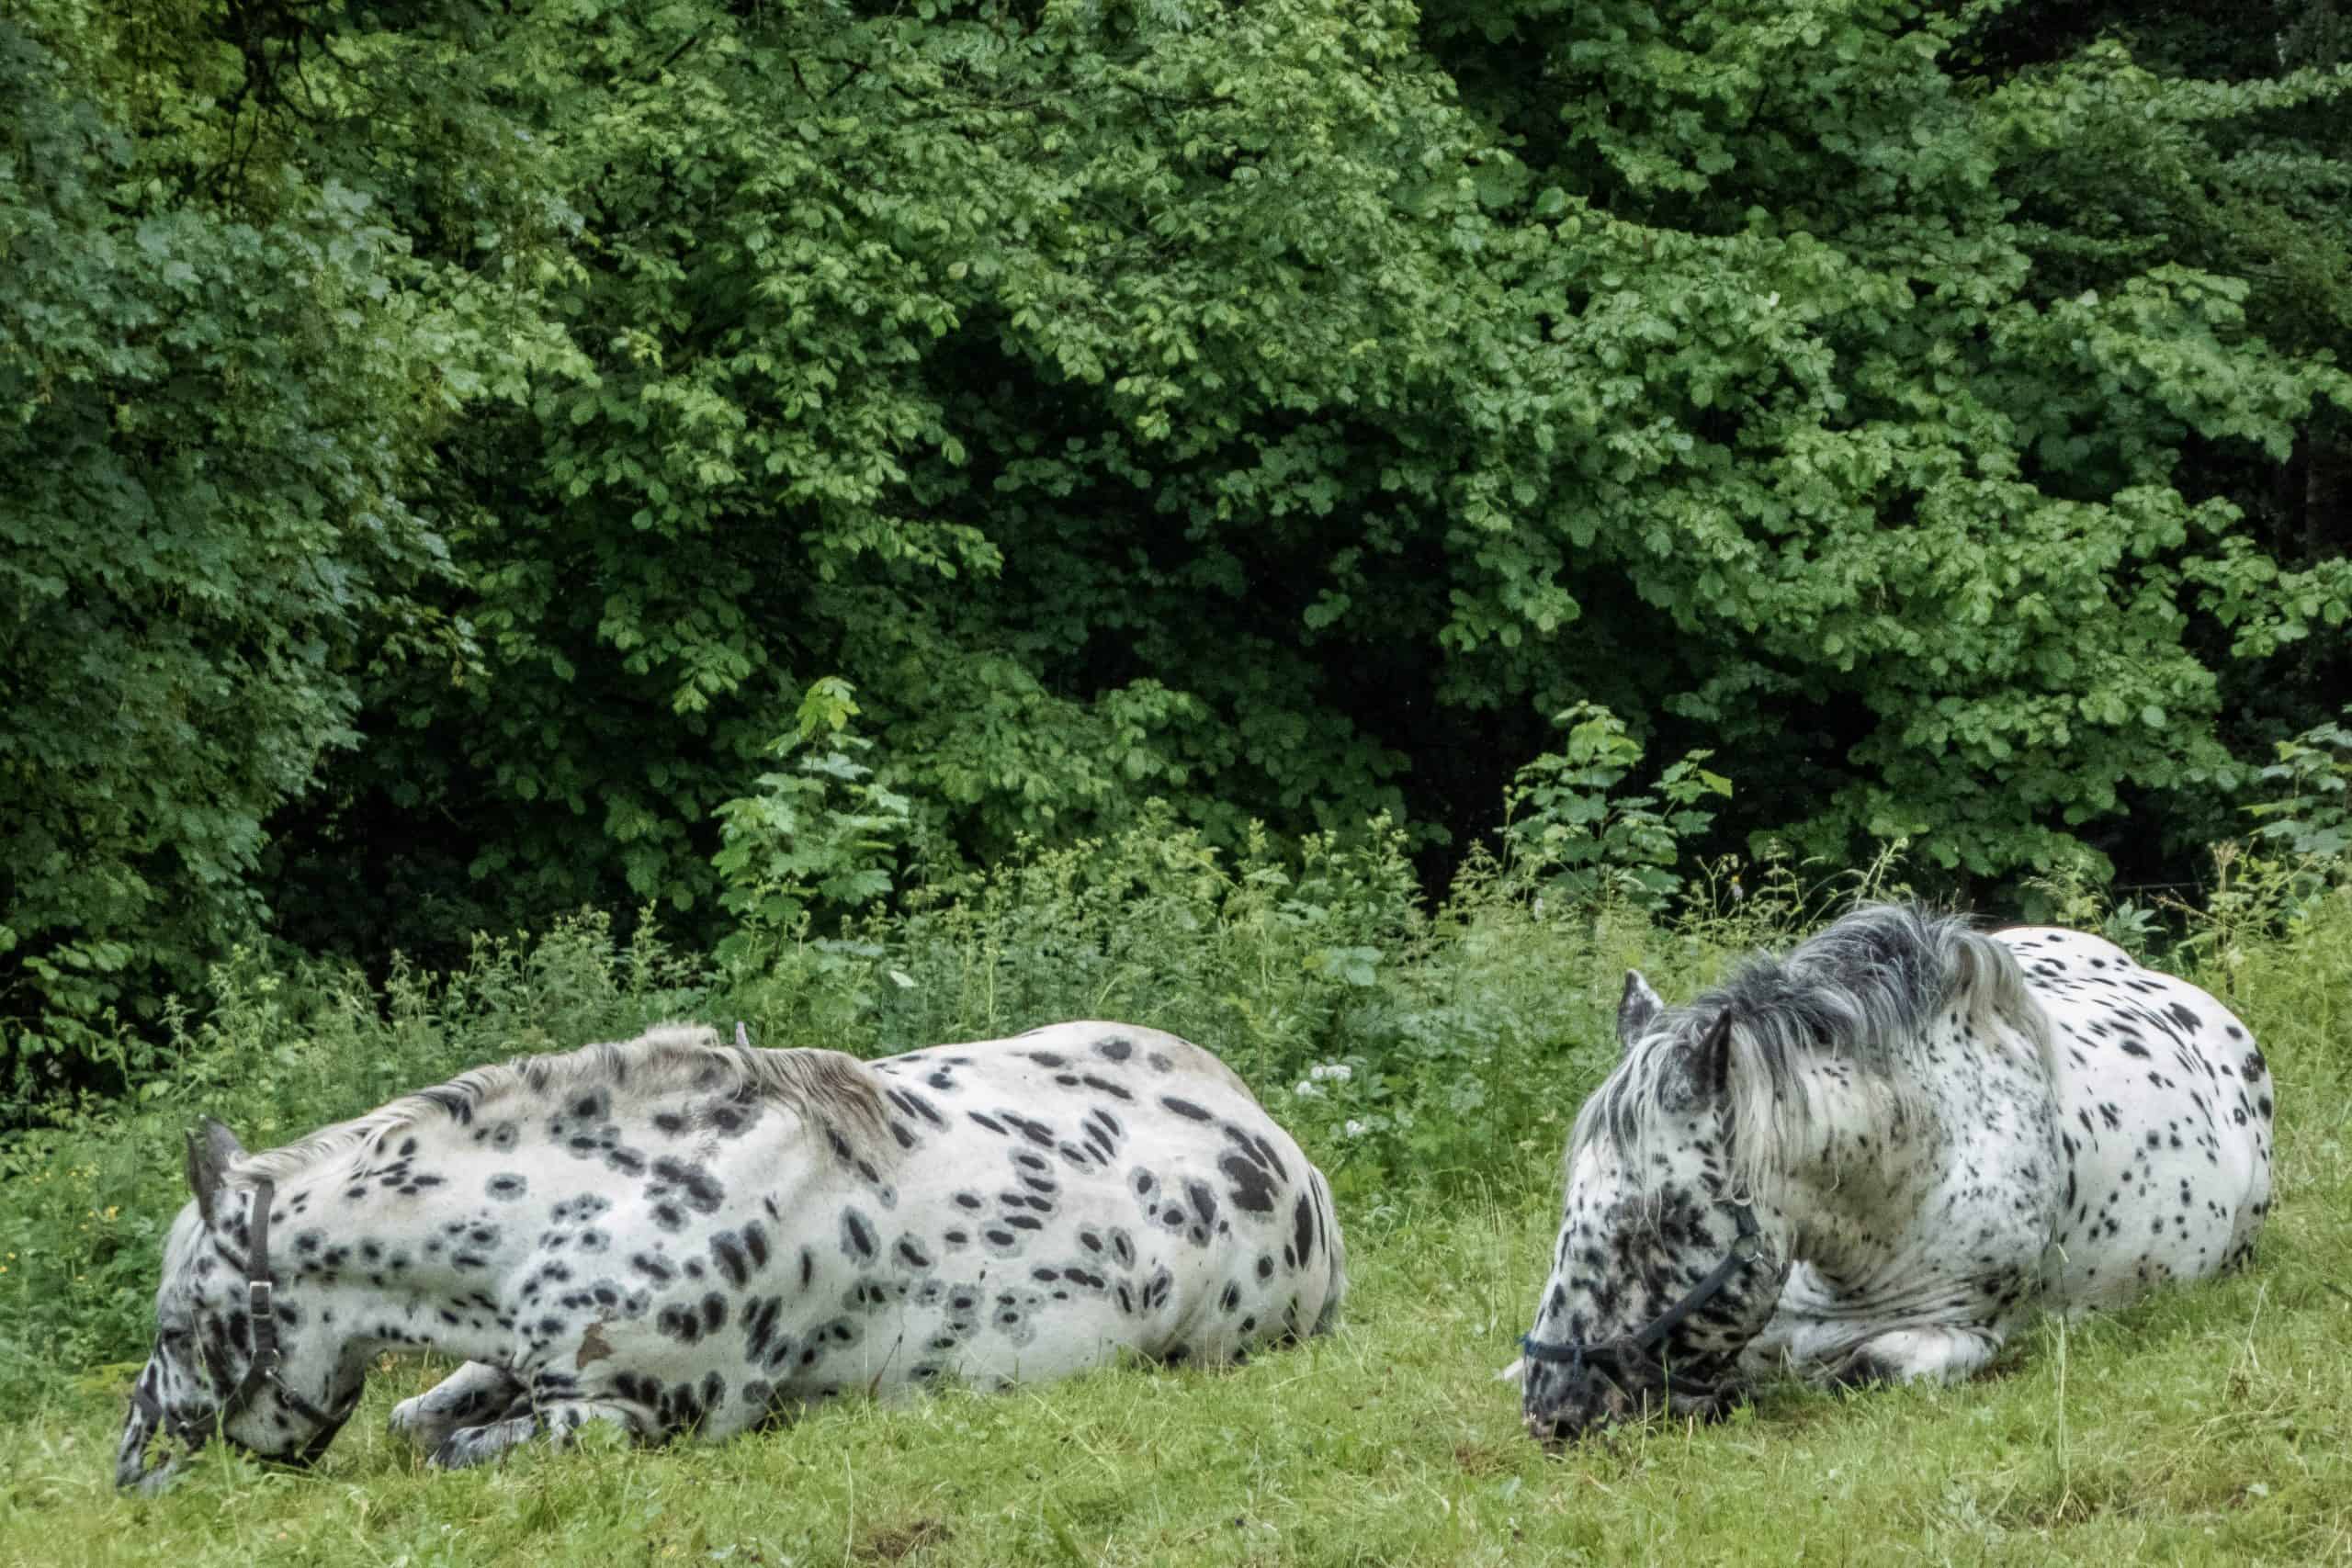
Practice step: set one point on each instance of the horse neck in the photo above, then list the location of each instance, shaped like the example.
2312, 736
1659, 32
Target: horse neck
1870, 1147
408, 1259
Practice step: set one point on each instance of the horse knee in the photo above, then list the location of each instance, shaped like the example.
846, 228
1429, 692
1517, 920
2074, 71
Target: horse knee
1864, 1368
457, 1401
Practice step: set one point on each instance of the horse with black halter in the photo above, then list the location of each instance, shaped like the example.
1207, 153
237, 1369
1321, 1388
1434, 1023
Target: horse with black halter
675, 1235
1873, 1159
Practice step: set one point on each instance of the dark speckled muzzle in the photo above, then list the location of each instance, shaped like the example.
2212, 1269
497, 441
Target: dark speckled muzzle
1571, 1387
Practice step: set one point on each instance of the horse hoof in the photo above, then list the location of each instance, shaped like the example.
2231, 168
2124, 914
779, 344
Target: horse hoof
410, 1420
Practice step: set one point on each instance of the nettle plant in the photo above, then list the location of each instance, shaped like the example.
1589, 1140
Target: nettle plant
819, 838
1570, 837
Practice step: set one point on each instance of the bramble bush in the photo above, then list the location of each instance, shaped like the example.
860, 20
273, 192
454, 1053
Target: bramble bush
822, 836
1565, 833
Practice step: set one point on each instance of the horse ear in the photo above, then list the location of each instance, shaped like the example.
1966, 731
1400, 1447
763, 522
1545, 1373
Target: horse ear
743, 1036
1711, 1059
1637, 1010
211, 1150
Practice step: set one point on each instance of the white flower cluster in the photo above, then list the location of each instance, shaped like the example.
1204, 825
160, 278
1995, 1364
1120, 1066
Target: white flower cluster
1311, 1086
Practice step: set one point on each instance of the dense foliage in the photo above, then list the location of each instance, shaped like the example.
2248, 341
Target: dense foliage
449, 450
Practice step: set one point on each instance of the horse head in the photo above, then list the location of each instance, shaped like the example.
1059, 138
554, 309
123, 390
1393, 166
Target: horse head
1662, 1272
220, 1365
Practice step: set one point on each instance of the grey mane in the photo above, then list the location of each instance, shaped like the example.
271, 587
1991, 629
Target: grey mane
1844, 1013
825, 1088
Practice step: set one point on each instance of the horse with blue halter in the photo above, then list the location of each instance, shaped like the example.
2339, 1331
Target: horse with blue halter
1875, 1158
677, 1236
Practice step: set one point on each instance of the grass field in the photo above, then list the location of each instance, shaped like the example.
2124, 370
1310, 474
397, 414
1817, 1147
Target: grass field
2211, 1424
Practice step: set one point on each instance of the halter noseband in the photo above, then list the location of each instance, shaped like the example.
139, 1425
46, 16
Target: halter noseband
262, 1312
1746, 1247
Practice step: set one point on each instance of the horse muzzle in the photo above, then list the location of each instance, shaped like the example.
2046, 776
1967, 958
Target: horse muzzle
1566, 1405
1563, 1404
133, 1472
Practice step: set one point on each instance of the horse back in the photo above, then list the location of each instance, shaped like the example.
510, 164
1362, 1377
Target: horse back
2165, 1107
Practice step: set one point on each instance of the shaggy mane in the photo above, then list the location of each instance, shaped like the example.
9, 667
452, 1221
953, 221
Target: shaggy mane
826, 1087
1832, 1028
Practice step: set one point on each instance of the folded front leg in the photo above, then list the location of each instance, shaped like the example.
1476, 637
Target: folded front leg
464, 1398
558, 1420
1916, 1355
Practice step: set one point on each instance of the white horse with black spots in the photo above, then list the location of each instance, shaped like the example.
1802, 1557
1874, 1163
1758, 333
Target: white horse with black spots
673, 1235
1873, 1159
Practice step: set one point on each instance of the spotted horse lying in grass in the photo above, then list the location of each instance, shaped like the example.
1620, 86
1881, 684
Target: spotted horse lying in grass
1873, 1159
675, 1235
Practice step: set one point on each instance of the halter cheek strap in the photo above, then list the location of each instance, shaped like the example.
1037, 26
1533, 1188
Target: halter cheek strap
1746, 1247
261, 1311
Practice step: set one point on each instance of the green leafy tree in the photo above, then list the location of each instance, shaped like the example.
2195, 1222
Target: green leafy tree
1278, 409
212, 417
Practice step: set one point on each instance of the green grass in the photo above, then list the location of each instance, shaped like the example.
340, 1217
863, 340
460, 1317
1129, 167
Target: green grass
2210, 1424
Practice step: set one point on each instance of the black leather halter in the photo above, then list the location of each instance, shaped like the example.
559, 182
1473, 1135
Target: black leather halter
1746, 1247
262, 1314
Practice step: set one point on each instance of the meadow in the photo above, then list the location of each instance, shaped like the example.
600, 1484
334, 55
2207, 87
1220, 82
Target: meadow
896, 524
2210, 1424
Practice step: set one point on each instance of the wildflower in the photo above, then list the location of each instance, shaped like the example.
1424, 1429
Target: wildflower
1337, 1072
1355, 1129
1306, 1089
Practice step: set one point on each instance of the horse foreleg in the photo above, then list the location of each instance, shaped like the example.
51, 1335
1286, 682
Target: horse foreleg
461, 1399
556, 1420
1914, 1355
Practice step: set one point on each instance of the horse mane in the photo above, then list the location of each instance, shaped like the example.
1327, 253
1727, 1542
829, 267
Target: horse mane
825, 1088
1842, 1015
